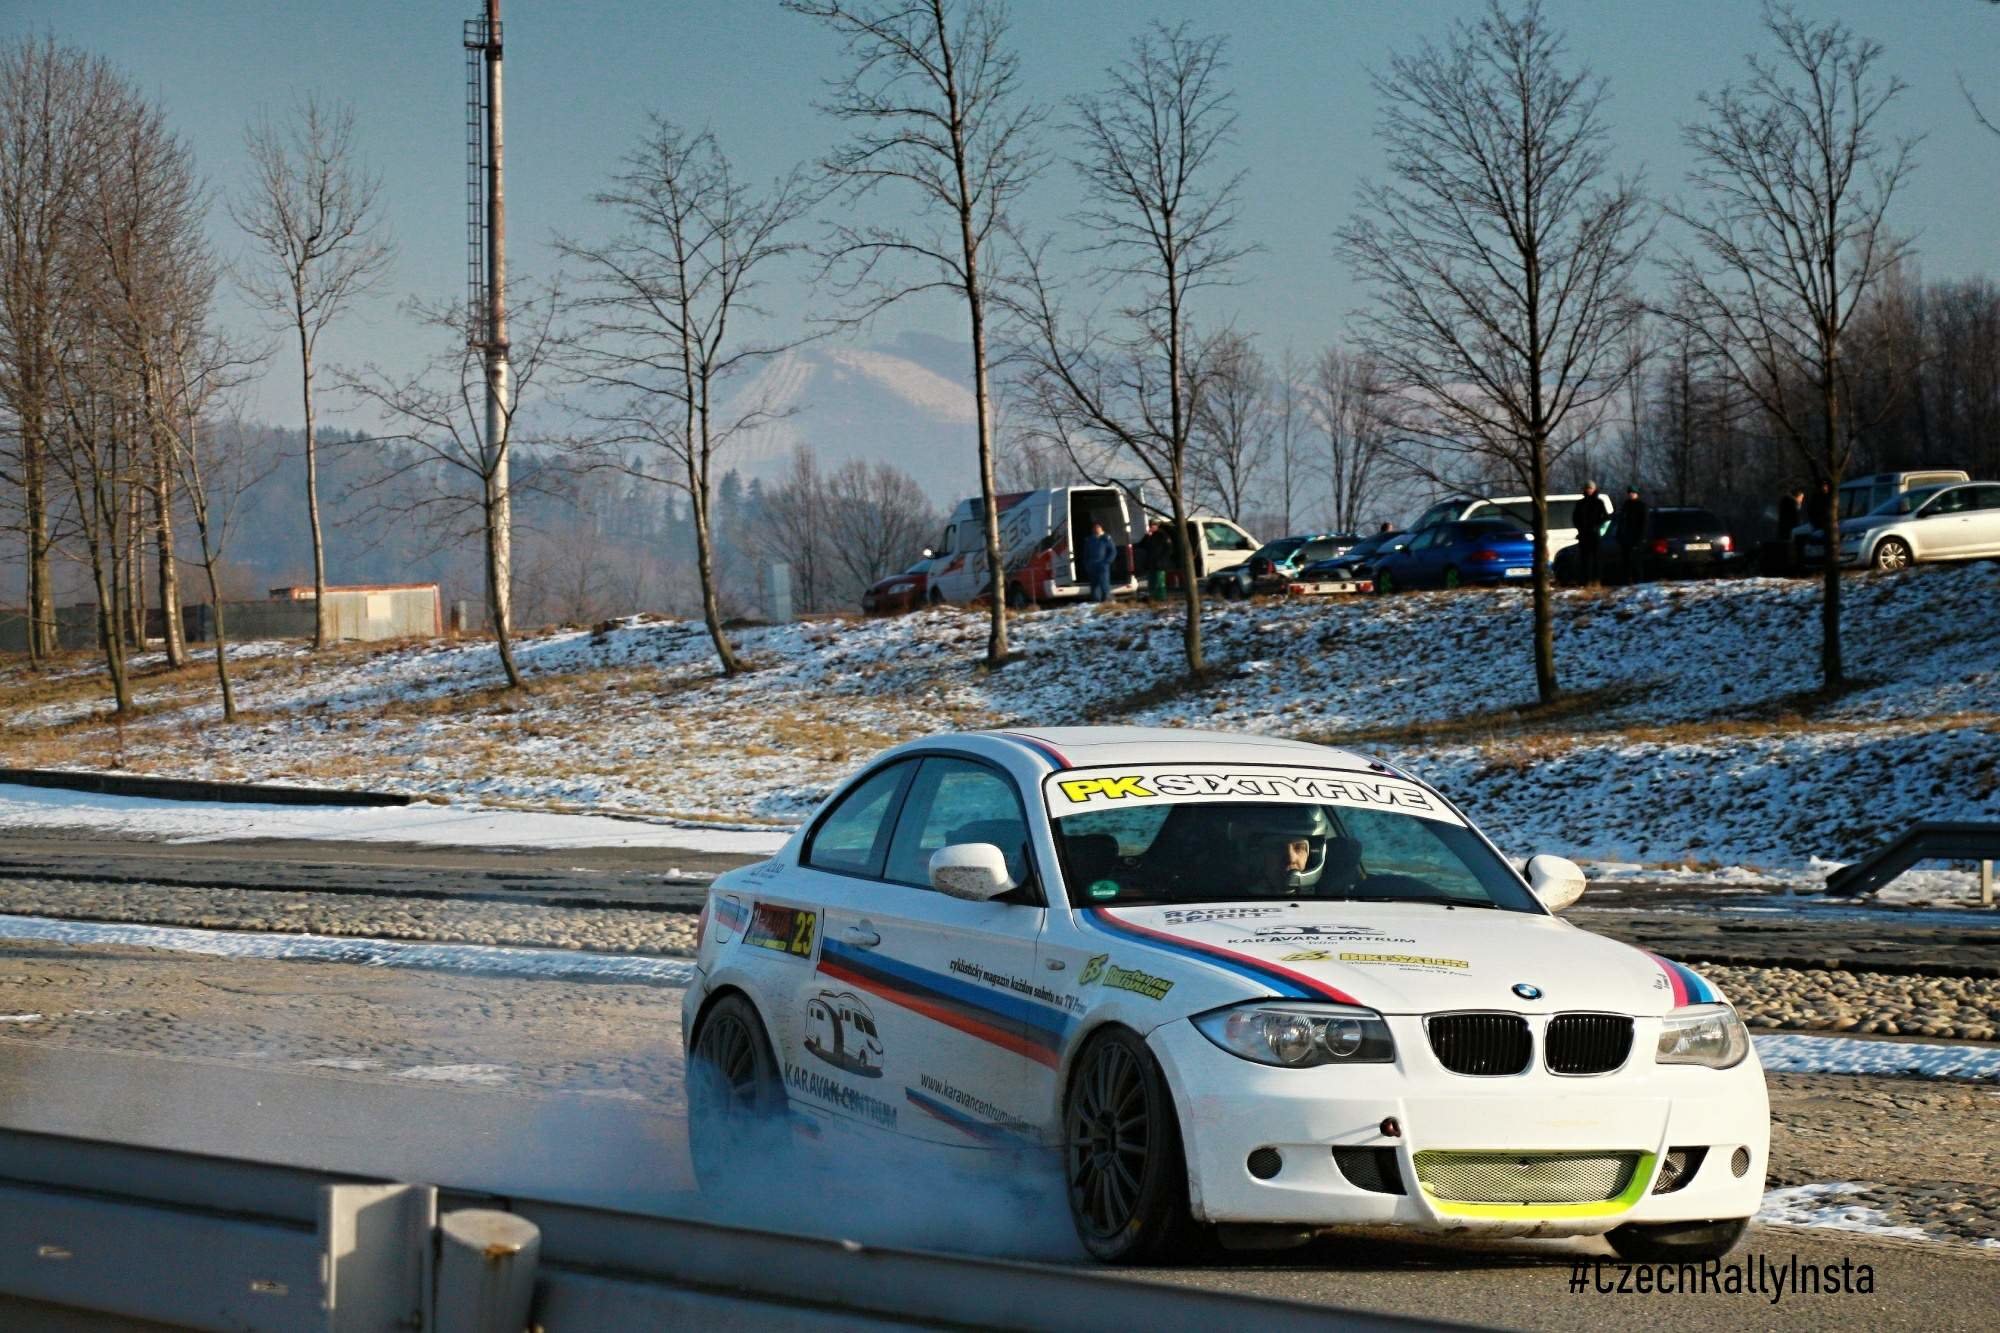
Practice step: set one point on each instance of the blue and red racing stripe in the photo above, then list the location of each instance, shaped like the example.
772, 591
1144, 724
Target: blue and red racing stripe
1025, 1027
1292, 985
1686, 986
971, 1126
1041, 747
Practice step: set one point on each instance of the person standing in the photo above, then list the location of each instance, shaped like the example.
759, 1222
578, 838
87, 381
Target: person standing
1791, 513
1097, 555
1791, 508
1591, 512
1159, 555
1632, 536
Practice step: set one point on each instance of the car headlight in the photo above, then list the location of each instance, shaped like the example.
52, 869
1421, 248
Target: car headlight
1299, 1036
1703, 1034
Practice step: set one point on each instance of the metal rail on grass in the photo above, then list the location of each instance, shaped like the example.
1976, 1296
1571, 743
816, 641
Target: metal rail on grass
1930, 840
122, 1233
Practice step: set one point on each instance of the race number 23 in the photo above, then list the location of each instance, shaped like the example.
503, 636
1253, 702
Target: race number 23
783, 929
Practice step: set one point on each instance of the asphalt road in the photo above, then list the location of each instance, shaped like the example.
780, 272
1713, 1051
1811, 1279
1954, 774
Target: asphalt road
236, 1057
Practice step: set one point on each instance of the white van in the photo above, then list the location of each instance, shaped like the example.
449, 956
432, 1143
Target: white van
1863, 495
1040, 532
1520, 508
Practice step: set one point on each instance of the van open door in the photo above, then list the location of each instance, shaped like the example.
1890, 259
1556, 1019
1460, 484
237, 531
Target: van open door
1097, 504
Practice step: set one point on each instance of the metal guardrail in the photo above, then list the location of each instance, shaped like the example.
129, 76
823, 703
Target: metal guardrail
101, 1234
195, 789
1930, 840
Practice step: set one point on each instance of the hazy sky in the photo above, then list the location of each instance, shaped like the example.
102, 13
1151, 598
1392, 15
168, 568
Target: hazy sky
581, 77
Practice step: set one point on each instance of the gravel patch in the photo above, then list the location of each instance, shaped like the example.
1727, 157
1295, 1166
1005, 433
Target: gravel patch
1965, 1008
1794, 999
597, 929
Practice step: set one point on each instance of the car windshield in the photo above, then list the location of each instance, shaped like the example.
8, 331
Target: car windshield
1897, 506
1280, 549
1136, 838
919, 567
1488, 528
1684, 522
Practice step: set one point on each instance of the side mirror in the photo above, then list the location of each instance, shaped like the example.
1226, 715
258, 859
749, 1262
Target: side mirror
1556, 880
974, 871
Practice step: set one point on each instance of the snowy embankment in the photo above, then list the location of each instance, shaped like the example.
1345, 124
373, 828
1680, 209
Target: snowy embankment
434, 825
1689, 736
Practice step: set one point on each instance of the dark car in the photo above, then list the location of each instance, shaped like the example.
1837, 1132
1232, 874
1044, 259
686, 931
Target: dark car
899, 592
1481, 550
1276, 561
1360, 559
1676, 541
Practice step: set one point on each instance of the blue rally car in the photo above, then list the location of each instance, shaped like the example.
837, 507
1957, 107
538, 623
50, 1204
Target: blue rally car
1482, 550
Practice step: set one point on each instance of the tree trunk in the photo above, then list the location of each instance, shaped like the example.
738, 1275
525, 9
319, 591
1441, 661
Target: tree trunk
499, 563
1190, 585
42, 643
134, 610
170, 582
996, 564
1546, 688
312, 491
704, 554
109, 629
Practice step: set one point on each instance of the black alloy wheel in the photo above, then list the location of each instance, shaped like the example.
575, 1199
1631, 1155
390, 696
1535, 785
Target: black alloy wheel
1122, 1155
735, 1096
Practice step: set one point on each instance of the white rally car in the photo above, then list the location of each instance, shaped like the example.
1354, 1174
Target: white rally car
1234, 981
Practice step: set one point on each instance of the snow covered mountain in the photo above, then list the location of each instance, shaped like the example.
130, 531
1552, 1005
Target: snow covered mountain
907, 400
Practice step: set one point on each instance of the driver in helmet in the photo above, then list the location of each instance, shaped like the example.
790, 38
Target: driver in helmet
1285, 847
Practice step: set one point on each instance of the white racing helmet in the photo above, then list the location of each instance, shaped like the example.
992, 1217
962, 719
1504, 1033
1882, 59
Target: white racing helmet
1262, 829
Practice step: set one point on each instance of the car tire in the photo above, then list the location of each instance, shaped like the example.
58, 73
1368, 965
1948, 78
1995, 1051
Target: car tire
1451, 578
1017, 597
1892, 554
937, 597
736, 1097
1676, 1242
1126, 1175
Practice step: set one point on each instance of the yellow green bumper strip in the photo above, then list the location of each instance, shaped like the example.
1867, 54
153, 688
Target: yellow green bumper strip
1635, 1190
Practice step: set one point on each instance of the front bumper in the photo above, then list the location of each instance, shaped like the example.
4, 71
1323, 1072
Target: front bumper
1230, 1108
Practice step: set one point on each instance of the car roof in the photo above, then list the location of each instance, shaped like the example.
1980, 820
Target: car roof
1087, 747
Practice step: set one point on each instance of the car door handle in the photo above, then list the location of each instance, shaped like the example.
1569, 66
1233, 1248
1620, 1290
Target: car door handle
861, 937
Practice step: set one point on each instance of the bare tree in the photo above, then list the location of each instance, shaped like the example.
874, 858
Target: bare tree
218, 463
875, 517
1161, 209
795, 515
143, 226
1789, 224
310, 213
932, 99
440, 409
1234, 432
1501, 250
50, 98
667, 315
1289, 416
1352, 408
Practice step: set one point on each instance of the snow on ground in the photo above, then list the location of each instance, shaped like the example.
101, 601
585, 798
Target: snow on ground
1682, 747
1793, 1053
542, 964
458, 826
1831, 1204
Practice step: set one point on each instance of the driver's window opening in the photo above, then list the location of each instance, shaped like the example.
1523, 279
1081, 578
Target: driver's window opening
1210, 852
